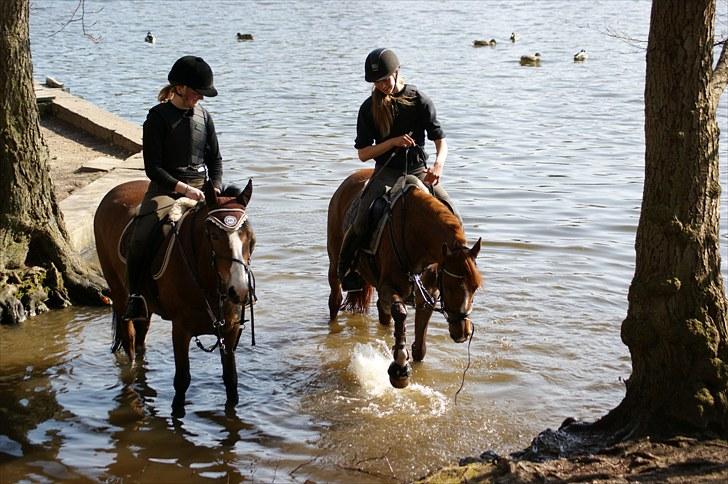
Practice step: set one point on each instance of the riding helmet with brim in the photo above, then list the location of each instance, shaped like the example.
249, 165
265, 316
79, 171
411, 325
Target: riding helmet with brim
193, 72
380, 64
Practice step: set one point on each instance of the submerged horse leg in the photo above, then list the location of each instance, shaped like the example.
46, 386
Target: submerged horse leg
335, 296
385, 313
423, 312
141, 328
399, 370
128, 338
181, 343
229, 370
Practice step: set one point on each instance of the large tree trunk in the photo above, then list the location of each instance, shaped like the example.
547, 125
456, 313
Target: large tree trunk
676, 322
32, 231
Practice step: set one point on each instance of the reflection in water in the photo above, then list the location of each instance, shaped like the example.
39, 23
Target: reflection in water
150, 447
30, 414
545, 164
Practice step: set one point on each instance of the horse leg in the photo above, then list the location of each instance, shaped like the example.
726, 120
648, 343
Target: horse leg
335, 296
229, 370
422, 320
181, 343
399, 370
141, 328
385, 313
128, 339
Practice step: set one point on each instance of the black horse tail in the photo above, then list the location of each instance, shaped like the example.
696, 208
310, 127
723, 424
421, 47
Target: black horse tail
358, 301
116, 328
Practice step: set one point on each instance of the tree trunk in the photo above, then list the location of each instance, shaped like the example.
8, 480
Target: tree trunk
676, 322
32, 231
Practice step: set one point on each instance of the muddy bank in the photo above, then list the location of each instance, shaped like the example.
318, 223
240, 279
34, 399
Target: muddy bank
680, 459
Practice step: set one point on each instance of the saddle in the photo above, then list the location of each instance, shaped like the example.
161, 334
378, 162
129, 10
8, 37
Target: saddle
380, 210
162, 242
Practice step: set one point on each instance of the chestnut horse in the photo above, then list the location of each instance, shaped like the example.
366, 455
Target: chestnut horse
203, 285
422, 251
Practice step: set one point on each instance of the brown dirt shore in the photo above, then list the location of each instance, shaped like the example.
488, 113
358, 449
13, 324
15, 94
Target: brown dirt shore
680, 460
69, 150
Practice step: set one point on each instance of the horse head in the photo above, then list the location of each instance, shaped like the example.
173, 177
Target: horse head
459, 278
232, 241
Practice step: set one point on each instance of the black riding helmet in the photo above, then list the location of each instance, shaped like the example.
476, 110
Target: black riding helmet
193, 72
380, 63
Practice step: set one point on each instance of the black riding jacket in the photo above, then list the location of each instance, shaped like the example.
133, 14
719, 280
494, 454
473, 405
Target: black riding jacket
417, 119
179, 144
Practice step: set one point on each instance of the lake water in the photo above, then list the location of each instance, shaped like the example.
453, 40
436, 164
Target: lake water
546, 164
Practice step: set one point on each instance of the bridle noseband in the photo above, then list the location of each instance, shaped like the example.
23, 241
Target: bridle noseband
430, 301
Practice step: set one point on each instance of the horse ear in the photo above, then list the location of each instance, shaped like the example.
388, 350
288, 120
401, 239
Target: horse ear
476, 248
210, 195
245, 195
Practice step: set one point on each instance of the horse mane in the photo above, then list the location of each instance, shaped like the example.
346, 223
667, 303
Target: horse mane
443, 213
230, 190
451, 221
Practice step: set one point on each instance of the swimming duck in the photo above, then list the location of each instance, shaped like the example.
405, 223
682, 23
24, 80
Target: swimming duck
514, 36
581, 56
531, 60
484, 43
245, 36
149, 39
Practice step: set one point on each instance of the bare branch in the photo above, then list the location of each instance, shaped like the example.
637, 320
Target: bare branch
720, 74
634, 42
76, 17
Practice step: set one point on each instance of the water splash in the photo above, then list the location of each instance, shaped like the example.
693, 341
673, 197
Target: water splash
368, 365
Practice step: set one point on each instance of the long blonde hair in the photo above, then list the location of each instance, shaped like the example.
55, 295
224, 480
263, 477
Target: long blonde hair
383, 107
166, 93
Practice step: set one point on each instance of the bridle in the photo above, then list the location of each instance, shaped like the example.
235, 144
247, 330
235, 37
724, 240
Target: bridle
416, 278
431, 301
229, 220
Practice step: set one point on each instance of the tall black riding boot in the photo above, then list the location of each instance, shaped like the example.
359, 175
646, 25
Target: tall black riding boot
350, 279
136, 306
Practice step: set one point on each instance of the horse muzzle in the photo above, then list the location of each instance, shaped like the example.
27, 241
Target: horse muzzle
460, 329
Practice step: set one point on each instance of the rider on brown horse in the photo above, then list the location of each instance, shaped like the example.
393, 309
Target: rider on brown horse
390, 128
180, 150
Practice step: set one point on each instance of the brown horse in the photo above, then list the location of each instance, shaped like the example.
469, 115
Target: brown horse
422, 251
203, 285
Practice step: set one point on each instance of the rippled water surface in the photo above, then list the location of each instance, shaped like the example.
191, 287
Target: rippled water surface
546, 164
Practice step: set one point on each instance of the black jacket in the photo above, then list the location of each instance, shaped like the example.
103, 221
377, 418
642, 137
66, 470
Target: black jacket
179, 144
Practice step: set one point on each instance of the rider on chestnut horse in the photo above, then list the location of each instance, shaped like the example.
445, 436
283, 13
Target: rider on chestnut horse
390, 128
180, 150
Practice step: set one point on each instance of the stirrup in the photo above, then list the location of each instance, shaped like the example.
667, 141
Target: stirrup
136, 308
352, 282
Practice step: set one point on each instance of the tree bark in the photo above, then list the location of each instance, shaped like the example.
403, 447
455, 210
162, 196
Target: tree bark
676, 321
32, 231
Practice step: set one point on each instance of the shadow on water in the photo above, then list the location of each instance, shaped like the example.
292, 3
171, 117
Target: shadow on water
150, 446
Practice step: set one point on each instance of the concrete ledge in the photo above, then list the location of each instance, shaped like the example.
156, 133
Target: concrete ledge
79, 208
91, 119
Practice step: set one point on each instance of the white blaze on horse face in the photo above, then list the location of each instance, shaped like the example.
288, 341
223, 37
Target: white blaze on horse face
238, 272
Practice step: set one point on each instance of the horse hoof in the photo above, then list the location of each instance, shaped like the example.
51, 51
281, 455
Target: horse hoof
178, 412
399, 383
399, 375
178, 407
418, 354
